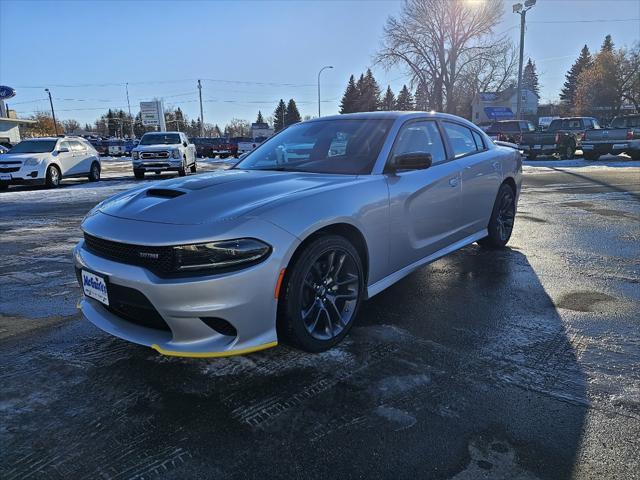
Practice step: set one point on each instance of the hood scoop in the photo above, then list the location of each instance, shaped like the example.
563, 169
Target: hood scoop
164, 193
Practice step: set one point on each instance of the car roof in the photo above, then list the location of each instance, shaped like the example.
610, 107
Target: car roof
161, 133
394, 115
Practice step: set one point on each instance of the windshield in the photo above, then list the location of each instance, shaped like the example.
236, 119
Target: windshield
624, 122
347, 147
34, 146
160, 139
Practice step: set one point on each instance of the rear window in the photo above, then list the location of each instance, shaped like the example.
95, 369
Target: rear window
626, 122
500, 127
566, 124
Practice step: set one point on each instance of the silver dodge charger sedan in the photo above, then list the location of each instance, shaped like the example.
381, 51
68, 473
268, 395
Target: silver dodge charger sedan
287, 244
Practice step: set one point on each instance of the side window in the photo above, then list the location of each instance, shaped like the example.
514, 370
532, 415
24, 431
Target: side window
460, 138
76, 146
479, 141
531, 127
422, 136
66, 145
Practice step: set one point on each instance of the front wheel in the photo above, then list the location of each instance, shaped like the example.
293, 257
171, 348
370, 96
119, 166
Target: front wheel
53, 177
139, 174
567, 152
321, 295
502, 219
194, 166
183, 169
590, 156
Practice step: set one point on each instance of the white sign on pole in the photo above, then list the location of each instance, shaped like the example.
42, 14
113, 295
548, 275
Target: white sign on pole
152, 114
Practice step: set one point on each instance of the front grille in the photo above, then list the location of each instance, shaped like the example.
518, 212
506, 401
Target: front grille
134, 307
160, 260
154, 155
9, 169
155, 164
11, 162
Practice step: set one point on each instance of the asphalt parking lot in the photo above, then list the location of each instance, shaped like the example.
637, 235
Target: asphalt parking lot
516, 364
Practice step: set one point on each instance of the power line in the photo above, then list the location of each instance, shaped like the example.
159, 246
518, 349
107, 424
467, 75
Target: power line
589, 21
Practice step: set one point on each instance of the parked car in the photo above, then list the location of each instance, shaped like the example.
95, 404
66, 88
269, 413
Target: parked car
211, 146
164, 152
622, 136
287, 249
116, 147
246, 144
100, 145
562, 138
46, 161
509, 130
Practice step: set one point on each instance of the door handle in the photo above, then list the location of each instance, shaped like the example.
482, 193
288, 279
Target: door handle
453, 182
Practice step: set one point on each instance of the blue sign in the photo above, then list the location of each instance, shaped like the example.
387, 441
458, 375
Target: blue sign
498, 113
6, 92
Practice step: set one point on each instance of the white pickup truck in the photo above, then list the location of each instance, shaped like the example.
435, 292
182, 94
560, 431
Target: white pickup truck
164, 152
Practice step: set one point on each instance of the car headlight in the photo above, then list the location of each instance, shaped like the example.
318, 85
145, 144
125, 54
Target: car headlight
31, 162
220, 255
175, 154
135, 155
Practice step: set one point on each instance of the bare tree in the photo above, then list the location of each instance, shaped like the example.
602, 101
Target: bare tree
237, 128
448, 46
70, 125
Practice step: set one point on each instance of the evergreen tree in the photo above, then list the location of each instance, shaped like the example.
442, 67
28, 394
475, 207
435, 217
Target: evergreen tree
292, 114
389, 100
350, 97
530, 78
259, 119
369, 93
607, 44
568, 92
405, 99
422, 97
279, 116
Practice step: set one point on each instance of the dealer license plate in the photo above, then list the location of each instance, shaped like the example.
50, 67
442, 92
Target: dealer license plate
95, 286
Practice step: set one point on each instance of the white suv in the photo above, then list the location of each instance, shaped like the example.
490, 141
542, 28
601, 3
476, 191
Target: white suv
46, 161
163, 152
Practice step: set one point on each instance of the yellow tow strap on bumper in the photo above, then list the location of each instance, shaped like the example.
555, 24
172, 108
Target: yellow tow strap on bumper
229, 353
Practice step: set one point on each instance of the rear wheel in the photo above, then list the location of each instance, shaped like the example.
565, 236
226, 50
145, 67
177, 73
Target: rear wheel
194, 166
53, 177
322, 294
502, 219
634, 155
139, 174
94, 173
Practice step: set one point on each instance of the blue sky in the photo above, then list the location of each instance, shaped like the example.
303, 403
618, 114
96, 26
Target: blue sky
248, 53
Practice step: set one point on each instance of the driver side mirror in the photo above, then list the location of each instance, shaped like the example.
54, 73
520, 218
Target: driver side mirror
412, 161
63, 150
185, 144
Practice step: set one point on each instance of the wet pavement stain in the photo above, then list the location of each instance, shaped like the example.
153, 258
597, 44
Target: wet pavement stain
584, 301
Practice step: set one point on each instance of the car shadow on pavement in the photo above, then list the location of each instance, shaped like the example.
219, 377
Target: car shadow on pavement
600, 183
464, 369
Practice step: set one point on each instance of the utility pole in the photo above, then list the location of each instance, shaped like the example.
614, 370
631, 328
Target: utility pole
323, 68
522, 11
131, 135
201, 113
53, 113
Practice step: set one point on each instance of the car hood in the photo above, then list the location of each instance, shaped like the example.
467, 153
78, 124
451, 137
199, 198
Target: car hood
216, 196
154, 148
21, 157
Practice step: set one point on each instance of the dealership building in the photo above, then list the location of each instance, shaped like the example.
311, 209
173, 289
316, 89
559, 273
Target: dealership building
10, 125
489, 107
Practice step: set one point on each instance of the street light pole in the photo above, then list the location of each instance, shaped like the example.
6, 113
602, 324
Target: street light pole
126, 86
201, 113
321, 70
53, 113
522, 11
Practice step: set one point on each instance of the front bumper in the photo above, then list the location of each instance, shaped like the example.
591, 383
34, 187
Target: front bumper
244, 298
23, 174
158, 165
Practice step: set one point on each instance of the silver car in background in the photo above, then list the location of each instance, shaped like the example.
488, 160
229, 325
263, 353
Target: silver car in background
287, 244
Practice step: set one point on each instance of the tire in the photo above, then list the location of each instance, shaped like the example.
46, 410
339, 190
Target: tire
502, 219
94, 173
194, 166
634, 155
183, 169
567, 152
53, 177
139, 174
308, 294
4, 186
590, 156
531, 156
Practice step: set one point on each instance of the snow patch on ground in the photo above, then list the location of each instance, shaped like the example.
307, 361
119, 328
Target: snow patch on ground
606, 162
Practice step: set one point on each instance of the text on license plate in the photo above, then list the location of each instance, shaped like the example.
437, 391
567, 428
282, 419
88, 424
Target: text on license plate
619, 145
95, 286
5, 177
